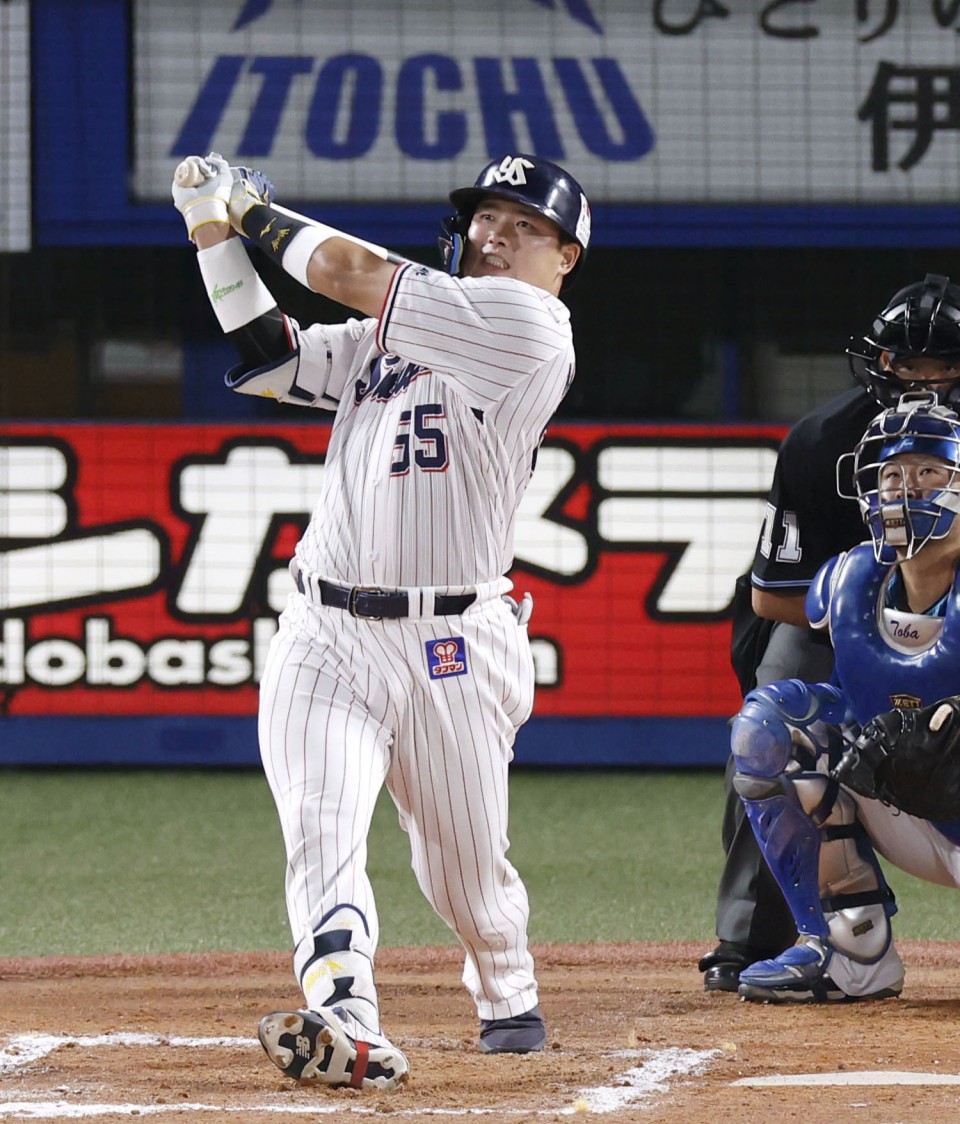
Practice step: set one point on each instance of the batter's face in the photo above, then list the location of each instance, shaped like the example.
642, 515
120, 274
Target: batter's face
510, 239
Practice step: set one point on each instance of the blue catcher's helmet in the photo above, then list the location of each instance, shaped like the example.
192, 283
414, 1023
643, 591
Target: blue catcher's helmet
538, 183
920, 321
901, 524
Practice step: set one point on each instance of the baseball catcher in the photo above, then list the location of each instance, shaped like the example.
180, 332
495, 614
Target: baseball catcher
807, 522
909, 759
828, 772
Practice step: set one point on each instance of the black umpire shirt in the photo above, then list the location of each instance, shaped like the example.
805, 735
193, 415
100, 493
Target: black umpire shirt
807, 522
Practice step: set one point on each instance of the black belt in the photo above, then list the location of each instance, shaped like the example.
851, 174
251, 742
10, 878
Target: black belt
373, 603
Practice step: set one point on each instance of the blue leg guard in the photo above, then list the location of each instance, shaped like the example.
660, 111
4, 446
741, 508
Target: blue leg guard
790, 843
779, 736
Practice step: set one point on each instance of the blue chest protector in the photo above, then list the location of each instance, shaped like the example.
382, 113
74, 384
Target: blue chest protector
874, 674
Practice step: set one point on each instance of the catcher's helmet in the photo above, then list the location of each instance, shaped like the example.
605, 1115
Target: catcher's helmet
525, 179
922, 320
918, 424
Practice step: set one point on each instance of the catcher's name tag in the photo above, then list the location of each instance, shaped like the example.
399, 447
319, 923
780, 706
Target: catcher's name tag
910, 632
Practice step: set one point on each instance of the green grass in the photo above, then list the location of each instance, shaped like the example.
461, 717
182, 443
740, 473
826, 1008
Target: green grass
145, 862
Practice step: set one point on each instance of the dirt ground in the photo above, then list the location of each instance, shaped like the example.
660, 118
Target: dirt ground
633, 1037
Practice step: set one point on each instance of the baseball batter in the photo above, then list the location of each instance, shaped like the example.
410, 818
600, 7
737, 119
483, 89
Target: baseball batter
399, 658
893, 612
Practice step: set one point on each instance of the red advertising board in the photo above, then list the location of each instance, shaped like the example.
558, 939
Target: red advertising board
142, 566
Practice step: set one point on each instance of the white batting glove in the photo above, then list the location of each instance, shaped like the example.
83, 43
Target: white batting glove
207, 202
250, 188
522, 610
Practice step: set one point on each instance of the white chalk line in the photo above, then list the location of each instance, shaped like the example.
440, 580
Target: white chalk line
22, 1049
853, 1077
644, 1081
636, 1084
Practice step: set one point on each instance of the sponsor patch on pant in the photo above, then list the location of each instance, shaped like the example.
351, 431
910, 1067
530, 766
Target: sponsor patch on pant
446, 657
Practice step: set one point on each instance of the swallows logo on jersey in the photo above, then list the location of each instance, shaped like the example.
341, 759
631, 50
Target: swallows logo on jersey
389, 376
446, 657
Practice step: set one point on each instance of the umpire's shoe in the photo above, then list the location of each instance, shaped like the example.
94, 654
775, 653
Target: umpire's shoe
311, 1047
722, 967
799, 975
521, 1034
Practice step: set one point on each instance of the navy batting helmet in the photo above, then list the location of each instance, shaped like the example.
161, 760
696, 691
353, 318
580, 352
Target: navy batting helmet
921, 321
538, 183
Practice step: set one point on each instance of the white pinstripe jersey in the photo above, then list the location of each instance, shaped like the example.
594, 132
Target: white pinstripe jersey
440, 407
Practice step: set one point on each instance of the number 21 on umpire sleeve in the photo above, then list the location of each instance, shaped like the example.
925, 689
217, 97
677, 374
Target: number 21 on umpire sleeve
789, 550
429, 441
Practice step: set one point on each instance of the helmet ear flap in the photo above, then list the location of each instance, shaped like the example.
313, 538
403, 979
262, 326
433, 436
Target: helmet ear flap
453, 231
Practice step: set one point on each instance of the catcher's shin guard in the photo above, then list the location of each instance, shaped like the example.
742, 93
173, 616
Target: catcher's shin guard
335, 968
806, 825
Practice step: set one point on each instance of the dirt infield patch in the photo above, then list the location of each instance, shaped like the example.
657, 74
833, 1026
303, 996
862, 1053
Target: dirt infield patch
633, 1037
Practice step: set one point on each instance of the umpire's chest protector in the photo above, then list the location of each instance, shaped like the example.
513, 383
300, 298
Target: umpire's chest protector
876, 668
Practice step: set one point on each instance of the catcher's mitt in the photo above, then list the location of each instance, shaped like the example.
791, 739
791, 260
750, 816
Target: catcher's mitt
909, 759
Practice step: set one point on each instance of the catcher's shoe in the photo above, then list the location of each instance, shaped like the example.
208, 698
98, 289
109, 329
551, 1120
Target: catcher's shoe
522, 1034
311, 1047
799, 975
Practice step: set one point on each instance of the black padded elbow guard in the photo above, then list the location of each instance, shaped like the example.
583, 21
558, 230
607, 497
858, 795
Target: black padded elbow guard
263, 340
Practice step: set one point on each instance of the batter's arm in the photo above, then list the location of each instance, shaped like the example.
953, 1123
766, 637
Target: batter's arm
324, 260
243, 305
344, 268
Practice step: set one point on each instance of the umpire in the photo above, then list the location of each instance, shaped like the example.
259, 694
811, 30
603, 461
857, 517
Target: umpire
913, 344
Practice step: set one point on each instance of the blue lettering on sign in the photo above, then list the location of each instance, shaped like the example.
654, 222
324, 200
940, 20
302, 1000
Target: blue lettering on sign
278, 73
449, 127
334, 82
212, 98
578, 9
637, 138
529, 98
344, 119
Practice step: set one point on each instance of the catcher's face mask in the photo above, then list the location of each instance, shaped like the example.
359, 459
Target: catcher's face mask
906, 472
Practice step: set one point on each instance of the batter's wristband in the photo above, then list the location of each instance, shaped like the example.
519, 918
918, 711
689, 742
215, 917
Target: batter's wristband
204, 210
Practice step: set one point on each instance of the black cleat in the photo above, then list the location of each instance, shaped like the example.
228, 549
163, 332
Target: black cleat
311, 1047
522, 1034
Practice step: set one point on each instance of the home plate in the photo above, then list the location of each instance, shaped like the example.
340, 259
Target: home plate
853, 1077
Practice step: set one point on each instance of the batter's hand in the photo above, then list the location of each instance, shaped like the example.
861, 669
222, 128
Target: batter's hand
208, 202
250, 188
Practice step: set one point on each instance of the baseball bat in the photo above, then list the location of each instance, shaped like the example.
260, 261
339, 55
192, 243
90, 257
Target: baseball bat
194, 170
191, 172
